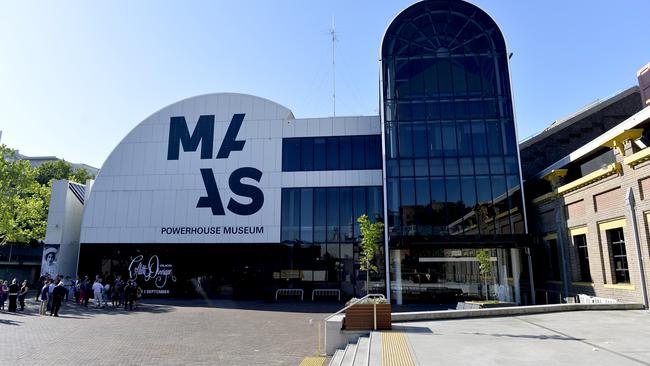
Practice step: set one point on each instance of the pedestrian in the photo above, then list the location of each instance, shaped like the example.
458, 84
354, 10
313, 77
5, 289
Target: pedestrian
88, 289
41, 281
3, 293
44, 293
97, 291
106, 293
50, 290
21, 295
13, 296
57, 297
129, 295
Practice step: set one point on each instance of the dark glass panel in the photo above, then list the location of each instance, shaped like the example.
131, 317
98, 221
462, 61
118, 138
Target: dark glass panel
290, 214
320, 154
488, 76
391, 142
438, 199
435, 139
404, 111
373, 158
459, 79
420, 143
418, 111
320, 215
430, 77
359, 152
291, 155
468, 191
496, 165
479, 138
307, 154
451, 166
464, 136
513, 182
466, 166
375, 203
481, 165
495, 137
347, 215
406, 167
345, 145
307, 215
498, 188
447, 110
421, 167
455, 207
422, 196
433, 111
405, 140
490, 109
360, 208
449, 139
408, 191
445, 82
512, 167
392, 189
436, 167
333, 230
392, 168
483, 189
332, 153
510, 147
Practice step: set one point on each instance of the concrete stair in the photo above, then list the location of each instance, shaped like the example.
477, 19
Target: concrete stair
358, 354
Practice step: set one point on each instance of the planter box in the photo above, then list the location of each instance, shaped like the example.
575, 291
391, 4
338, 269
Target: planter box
360, 317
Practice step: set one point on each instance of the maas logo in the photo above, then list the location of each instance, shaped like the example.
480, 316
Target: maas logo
203, 134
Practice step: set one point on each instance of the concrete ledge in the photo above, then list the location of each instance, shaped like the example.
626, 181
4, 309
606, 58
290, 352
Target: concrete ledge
508, 311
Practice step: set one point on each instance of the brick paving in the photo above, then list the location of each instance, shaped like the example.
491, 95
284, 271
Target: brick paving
164, 332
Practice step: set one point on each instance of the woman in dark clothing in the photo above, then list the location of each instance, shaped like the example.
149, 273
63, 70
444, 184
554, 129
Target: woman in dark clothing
21, 295
57, 297
13, 296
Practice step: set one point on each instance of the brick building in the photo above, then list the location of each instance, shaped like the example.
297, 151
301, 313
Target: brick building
590, 209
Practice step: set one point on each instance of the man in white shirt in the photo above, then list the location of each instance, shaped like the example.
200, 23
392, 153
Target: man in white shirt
97, 289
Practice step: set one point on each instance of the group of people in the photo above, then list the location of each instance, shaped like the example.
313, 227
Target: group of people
52, 292
14, 293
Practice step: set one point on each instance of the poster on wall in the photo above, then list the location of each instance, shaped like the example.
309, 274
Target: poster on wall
153, 276
49, 262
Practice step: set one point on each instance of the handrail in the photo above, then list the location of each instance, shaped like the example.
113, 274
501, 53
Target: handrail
324, 322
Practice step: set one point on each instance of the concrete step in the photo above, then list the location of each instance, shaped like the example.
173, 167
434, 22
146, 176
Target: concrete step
337, 358
363, 346
350, 353
374, 349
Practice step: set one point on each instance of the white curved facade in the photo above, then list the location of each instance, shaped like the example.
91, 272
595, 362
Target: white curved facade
142, 196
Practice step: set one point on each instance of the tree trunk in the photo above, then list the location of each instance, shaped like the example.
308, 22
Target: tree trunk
487, 293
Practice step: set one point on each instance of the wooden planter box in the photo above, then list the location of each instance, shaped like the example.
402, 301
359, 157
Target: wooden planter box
360, 317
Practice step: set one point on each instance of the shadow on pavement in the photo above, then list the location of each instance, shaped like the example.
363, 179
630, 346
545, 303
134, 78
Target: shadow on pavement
555, 337
254, 305
412, 329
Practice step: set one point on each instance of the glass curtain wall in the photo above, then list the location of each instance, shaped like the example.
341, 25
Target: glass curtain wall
452, 171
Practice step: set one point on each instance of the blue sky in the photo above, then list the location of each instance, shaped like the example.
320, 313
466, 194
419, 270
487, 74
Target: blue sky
76, 77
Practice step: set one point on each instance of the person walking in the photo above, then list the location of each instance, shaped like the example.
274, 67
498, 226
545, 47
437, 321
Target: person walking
13, 296
97, 291
57, 295
41, 281
3, 293
50, 290
21, 295
129, 295
88, 289
44, 293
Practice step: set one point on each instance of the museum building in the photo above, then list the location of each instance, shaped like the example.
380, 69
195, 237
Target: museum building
227, 194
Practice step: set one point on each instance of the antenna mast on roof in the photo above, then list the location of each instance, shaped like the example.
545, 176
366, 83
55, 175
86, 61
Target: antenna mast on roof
334, 39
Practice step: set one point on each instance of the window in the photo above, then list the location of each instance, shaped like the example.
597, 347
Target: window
616, 243
331, 153
580, 241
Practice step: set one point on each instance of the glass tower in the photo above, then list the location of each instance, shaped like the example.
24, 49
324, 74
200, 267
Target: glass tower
452, 175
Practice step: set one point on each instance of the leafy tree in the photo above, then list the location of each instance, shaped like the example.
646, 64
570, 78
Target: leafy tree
53, 169
81, 175
371, 235
484, 266
23, 201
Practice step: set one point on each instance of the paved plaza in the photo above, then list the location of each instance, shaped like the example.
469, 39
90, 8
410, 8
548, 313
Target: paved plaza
164, 333
570, 338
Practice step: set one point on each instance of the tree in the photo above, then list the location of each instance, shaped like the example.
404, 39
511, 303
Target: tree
81, 175
484, 266
23, 201
53, 169
371, 235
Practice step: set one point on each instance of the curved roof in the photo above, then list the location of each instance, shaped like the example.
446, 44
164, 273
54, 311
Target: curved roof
442, 27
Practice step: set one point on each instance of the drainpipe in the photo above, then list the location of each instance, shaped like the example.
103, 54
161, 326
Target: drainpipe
560, 222
530, 275
631, 204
